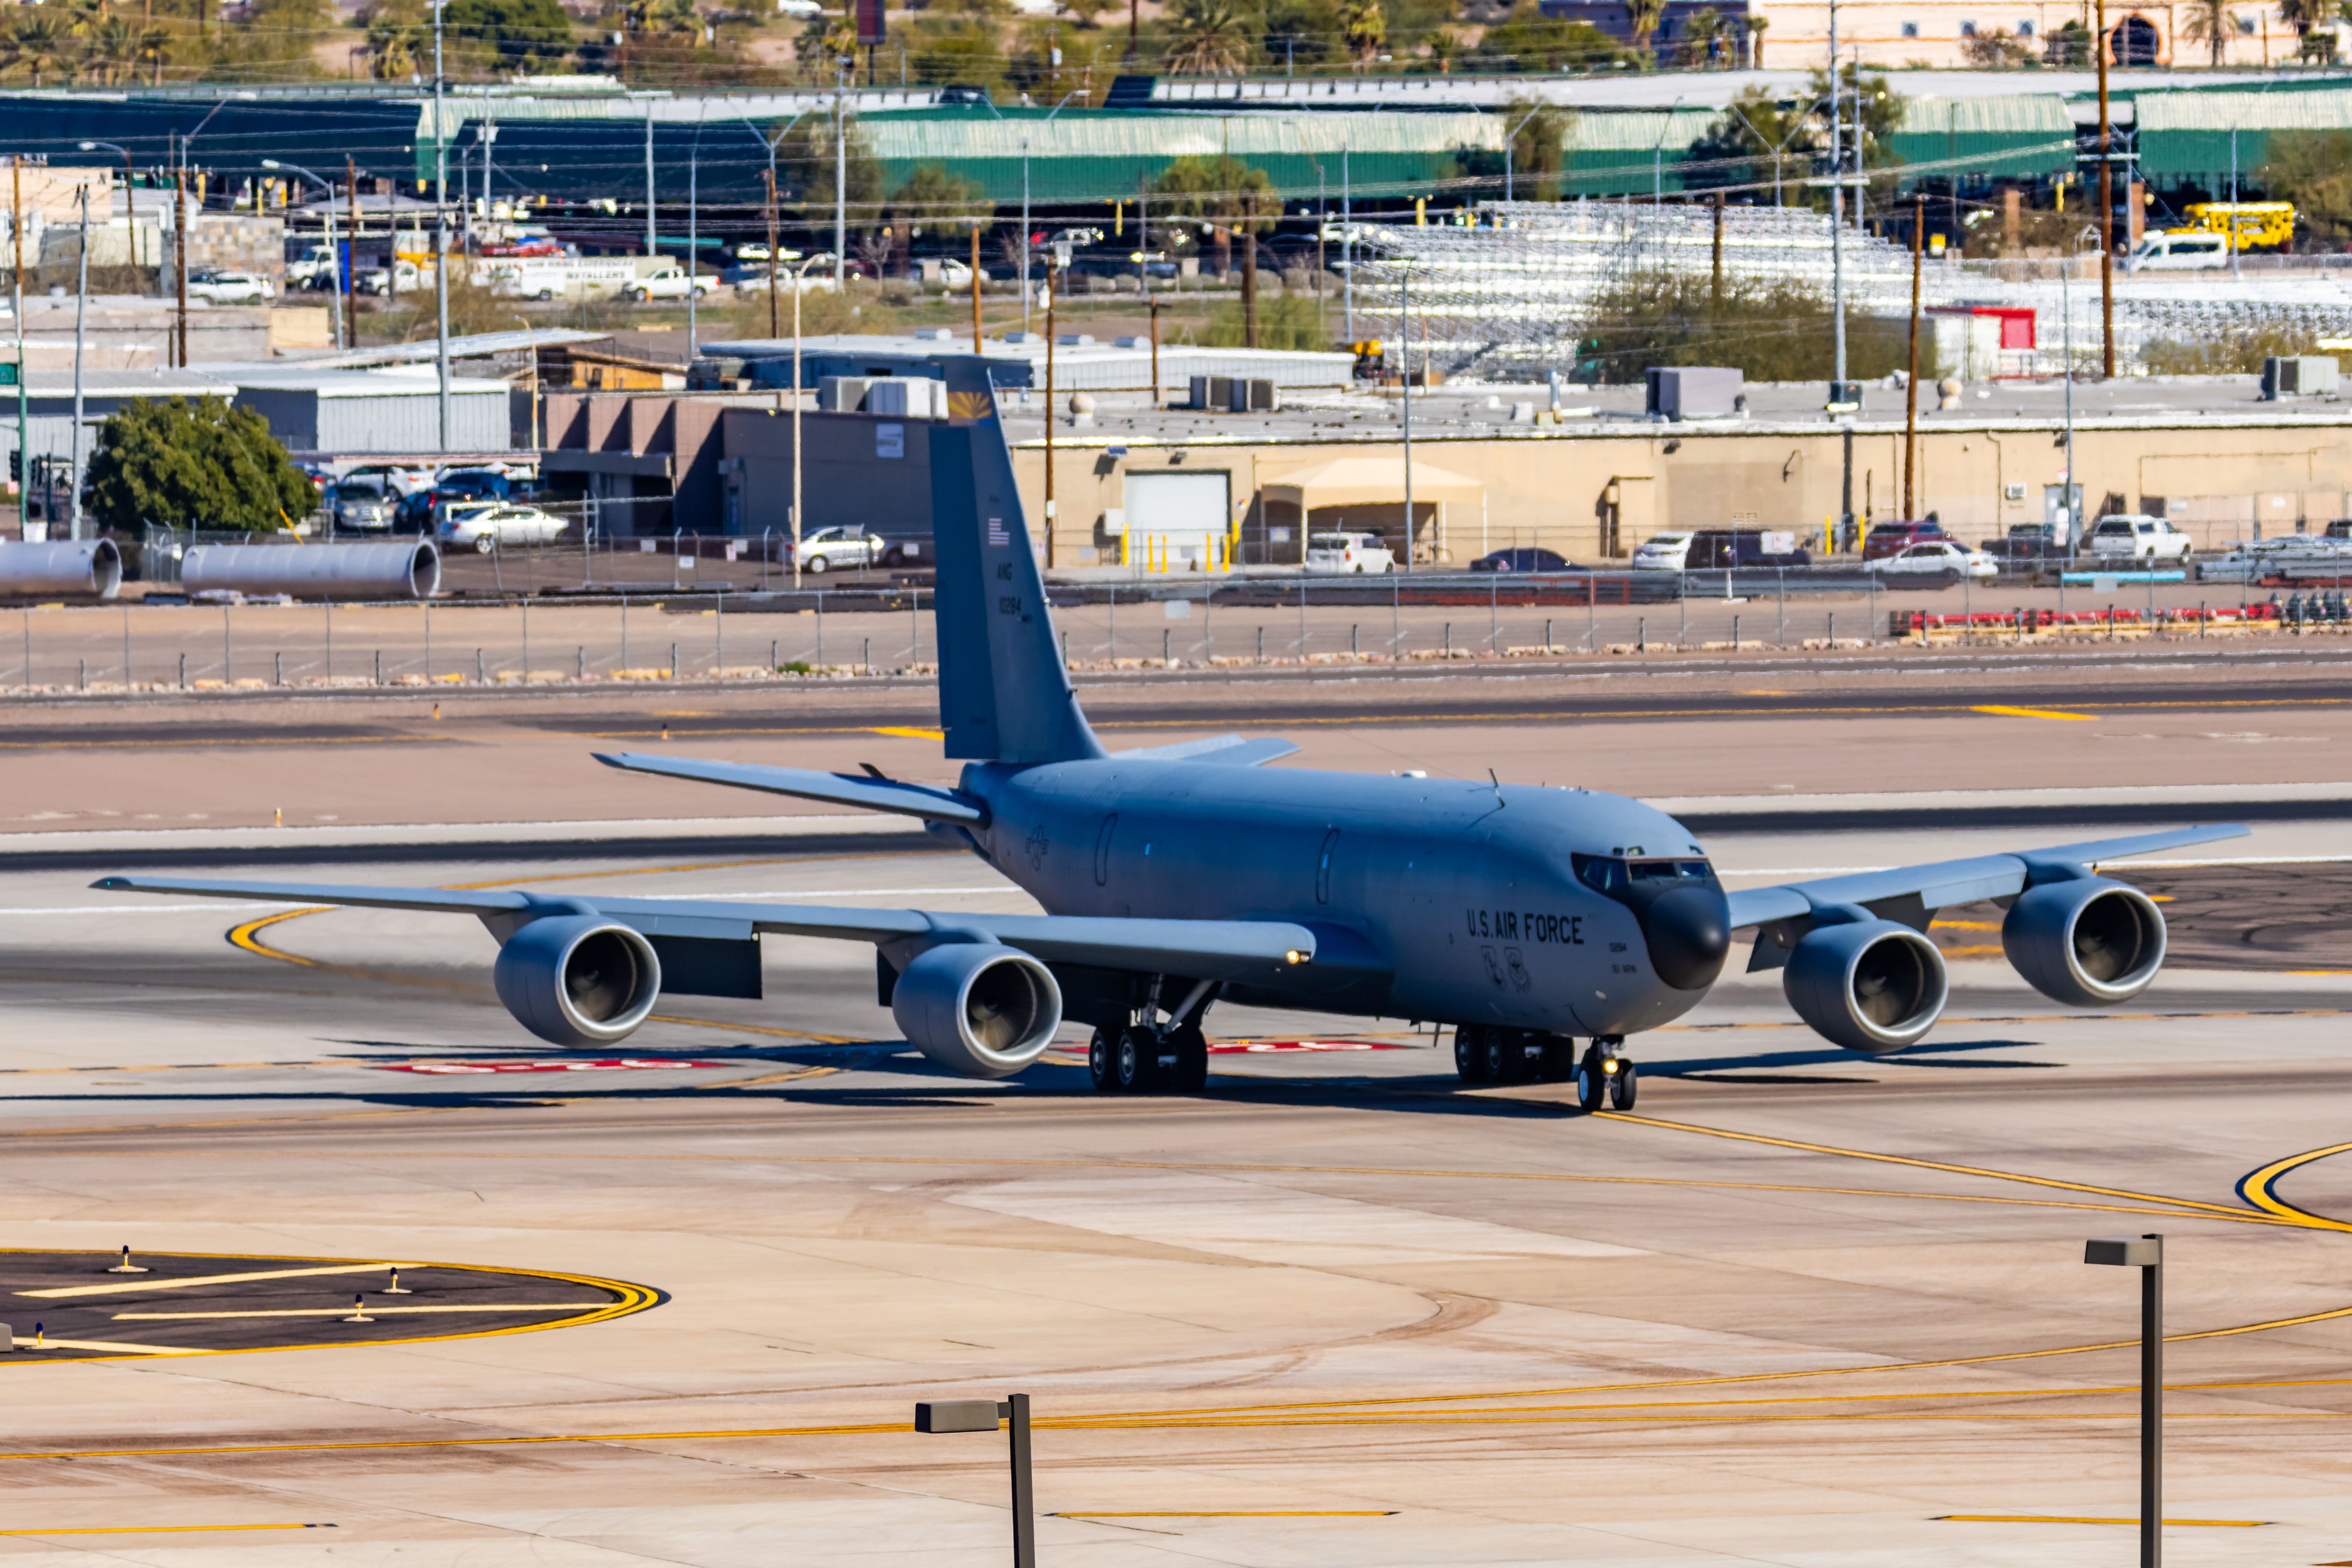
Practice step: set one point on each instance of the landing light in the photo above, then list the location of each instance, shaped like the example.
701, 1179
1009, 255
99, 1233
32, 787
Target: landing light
1293, 956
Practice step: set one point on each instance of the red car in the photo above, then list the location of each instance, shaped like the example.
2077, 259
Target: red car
1894, 538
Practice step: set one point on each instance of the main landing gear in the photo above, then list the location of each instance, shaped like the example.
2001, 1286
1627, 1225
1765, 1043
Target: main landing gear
1149, 1056
1486, 1053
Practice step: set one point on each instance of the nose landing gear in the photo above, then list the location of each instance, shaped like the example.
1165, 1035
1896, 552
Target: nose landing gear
1606, 1074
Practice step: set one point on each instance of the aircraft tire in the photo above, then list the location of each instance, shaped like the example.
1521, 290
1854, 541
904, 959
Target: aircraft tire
1100, 1052
1470, 1053
1623, 1085
1506, 1056
1591, 1083
1135, 1063
1192, 1072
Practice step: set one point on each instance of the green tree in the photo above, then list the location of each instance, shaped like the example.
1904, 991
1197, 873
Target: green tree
1528, 40
512, 35
1207, 38
1643, 18
2210, 22
805, 161
1760, 141
1364, 26
1777, 331
1223, 193
2313, 169
1292, 322
40, 43
195, 465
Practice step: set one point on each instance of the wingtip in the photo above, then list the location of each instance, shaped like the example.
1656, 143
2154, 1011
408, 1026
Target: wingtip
613, 759
111, 884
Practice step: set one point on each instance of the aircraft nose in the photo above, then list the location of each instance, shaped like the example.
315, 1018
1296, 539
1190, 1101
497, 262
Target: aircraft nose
1688, 930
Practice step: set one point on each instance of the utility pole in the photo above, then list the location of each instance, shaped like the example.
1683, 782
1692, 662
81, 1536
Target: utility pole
840, 186
975, 286
1249, 270
440, 232
775, 297
1404, 345
1049, 411
652, 241
344, 281
1716, 284
1911, 383
1152, 300
2107, 214
1347, 258
24, 458
1025, 236
693, 242
179, 258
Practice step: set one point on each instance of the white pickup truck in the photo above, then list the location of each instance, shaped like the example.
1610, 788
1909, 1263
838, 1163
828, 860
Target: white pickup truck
668, 283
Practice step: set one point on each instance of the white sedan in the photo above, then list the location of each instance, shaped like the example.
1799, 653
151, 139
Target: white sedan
484, 528
830, 549
1938, 558
229, 288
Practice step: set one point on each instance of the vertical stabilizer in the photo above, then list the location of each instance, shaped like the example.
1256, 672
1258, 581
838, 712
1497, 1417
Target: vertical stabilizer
1004, 695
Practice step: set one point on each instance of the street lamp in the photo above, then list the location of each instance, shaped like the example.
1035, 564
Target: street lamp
130, 216
981, 1415
2145, 1253
800, 287
334, 256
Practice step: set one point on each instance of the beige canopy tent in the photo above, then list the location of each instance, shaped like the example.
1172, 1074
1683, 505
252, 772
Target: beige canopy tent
1373, 480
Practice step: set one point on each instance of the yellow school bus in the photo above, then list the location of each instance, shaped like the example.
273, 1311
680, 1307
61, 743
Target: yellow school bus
2258, 223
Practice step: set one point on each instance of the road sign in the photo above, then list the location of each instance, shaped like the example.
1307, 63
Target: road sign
7, 373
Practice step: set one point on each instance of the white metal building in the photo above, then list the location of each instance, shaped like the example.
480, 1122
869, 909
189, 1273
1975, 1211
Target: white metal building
346, 413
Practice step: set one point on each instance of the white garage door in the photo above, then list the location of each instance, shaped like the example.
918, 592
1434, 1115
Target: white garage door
1180, 513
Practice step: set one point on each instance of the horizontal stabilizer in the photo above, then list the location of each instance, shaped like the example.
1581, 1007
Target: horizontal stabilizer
1946, 882
931, 803
1235, 750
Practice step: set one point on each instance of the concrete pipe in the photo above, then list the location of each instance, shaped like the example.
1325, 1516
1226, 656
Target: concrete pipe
91, 566
410, 569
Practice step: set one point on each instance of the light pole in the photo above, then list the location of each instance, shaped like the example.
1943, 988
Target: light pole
532, 347
334, 256
440, 232
1658, 156
73, 446
130, 215
981, 1415
693, 240
2145, 1253
1511, 145
800, 286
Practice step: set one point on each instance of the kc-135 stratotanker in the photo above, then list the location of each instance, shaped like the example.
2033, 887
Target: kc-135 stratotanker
1173, 877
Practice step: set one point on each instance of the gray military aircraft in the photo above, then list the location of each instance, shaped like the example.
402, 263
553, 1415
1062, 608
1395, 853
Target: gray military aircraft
1175, 876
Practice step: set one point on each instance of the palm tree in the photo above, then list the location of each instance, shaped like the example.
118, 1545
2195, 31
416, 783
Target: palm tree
112, 51
1365, 27
1700, 31
1207, 38
395, 47
2210, 22
154, 46
1757, 22
1643, 16
41, 42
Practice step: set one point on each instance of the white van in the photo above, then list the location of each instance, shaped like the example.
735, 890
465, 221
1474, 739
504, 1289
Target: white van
1349, 552
2182, 251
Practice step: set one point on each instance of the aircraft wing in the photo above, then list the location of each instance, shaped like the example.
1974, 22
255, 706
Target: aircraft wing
1235, 751
1944, 882
931, 803
1206, 950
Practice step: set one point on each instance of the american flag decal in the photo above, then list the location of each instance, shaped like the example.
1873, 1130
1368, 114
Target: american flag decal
996, 534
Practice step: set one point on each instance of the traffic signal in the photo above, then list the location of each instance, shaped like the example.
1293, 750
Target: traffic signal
15, 465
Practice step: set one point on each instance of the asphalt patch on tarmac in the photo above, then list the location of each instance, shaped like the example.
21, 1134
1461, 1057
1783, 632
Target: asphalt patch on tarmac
80, 1306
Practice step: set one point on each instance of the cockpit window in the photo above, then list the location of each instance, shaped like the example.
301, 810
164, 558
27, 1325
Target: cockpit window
1614, 877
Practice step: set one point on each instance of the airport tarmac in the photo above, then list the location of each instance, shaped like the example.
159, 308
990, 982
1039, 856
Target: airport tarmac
673, 1304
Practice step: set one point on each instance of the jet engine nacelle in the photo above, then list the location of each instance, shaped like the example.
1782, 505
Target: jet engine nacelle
1870, 985
578, 980
977, 1009
2085, 942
